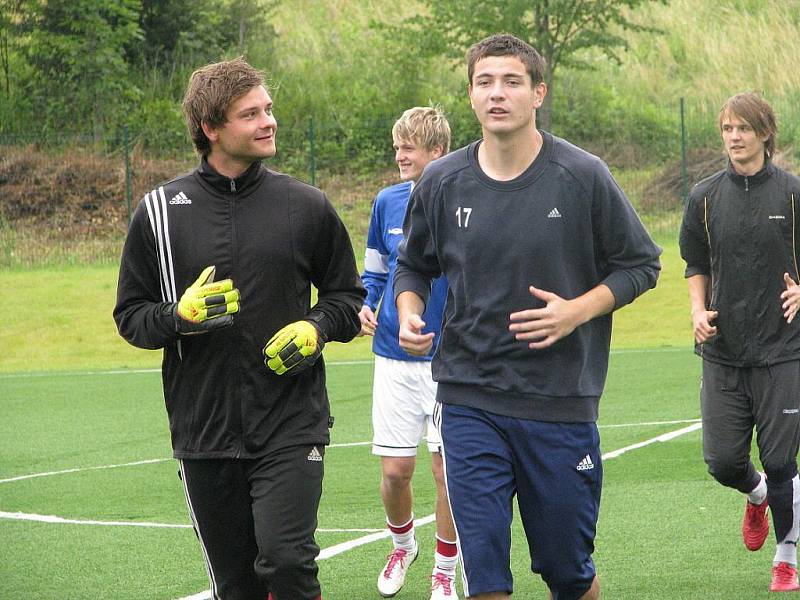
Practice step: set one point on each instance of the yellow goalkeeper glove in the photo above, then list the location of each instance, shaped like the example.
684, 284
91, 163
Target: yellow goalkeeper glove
294, 348
206, 304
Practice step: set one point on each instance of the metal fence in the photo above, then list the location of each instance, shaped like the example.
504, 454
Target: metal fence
67, 197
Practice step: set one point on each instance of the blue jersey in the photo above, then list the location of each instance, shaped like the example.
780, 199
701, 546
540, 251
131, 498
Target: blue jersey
385, 234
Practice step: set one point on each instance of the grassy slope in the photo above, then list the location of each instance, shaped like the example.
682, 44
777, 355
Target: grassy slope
63, 320
712, 49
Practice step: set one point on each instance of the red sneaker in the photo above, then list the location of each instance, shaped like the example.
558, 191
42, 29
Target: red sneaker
784, 578
755, 525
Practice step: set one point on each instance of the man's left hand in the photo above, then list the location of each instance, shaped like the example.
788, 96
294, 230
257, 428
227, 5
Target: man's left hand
543, 327
294, 348
791, 298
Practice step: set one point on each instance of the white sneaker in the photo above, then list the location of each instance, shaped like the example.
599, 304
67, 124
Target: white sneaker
393, 575
443, 587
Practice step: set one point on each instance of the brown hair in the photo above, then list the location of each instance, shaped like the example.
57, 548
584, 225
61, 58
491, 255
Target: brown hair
505, 44
211, 91
426, 126
751, 107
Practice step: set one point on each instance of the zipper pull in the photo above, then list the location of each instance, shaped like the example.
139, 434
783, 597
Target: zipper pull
233, 186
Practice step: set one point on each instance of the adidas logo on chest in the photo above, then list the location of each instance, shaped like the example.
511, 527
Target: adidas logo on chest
180, 198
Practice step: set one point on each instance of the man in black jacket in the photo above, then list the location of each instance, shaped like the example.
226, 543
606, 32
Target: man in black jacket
738, 239
250, 437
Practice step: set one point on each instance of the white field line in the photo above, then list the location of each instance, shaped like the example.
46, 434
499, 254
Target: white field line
20, 516
79, 469
132, 464
333, 363
334, 550
344, 547
660, 438
378, 535
646, 423
39, 374
343, 445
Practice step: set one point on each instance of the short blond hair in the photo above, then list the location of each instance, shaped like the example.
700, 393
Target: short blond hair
211, 90
425, 126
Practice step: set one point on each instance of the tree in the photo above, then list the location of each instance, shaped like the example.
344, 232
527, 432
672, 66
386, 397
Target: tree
10, 18
558, 29
252, 15
191, 32
76, 51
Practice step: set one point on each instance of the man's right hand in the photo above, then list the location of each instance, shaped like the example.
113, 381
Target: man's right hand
702, 324
206, 305
368, 321
412, 340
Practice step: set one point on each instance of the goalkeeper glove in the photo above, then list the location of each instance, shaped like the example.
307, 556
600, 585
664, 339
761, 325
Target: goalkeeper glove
206, 305
294, 348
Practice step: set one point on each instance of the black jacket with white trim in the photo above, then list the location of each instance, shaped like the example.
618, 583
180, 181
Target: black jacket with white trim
274, 237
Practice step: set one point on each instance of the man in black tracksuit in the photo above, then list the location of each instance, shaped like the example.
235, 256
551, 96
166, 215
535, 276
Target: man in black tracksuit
250, 442
739, 240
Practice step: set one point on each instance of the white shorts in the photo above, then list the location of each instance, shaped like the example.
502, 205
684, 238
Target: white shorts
403, 397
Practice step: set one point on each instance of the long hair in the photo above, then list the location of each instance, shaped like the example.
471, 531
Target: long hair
751, 107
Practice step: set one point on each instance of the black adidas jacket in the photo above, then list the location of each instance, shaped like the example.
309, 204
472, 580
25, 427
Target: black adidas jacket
274, 237
742, 232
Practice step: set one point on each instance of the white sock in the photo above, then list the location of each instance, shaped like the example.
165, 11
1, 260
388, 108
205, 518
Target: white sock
445, 564
759, 493
785, 553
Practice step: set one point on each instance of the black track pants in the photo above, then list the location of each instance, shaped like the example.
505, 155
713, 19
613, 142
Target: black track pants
733, 400
255, 520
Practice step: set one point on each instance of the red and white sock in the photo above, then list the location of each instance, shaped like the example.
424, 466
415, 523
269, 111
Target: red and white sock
445, 557
403, 535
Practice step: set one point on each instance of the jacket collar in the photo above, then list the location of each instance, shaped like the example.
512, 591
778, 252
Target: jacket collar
746, 181
240, 185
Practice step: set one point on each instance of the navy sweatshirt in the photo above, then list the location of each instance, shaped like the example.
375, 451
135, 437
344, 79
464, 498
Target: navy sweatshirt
563, 226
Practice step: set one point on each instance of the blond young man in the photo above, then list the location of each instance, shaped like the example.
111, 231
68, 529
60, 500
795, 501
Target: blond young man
250, 439
739, 240
404, 393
